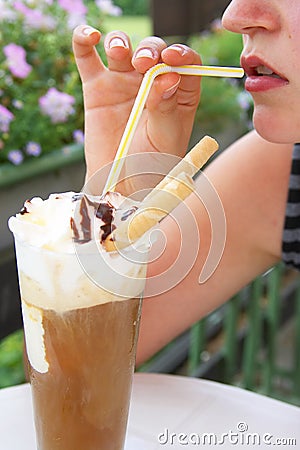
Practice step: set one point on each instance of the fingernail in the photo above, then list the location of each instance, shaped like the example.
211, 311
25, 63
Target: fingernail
179, 49
171, 91
144, 53
117, 42
88, 31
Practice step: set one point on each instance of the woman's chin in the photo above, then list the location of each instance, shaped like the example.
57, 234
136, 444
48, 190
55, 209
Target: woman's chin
274, 127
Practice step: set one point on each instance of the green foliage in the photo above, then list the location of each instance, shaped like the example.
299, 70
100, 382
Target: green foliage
137, 27
219, 105
11, 360
222, 100
218, 46
134, 7
47, 43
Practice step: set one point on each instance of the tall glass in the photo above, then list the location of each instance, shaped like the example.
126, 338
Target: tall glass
81, 341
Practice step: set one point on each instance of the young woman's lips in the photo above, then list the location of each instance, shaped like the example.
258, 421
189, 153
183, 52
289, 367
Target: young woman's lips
259, 76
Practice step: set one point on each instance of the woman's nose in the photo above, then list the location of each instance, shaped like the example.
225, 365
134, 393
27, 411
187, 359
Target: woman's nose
246, 16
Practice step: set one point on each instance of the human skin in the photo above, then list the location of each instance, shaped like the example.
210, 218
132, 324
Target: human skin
109, 94
251, 177
271, 33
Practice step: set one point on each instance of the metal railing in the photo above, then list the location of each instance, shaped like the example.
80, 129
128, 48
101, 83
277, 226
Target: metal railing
253, 341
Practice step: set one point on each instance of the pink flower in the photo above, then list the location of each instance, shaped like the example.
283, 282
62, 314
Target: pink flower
75, 19
78, 136
34, 18
6, 12
33, 149
15, 156
76, 11
107, 7
16, 60
18, 104
5, 118
73, 6
57, 105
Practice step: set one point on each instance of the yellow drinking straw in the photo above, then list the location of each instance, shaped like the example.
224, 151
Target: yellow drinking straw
150, 75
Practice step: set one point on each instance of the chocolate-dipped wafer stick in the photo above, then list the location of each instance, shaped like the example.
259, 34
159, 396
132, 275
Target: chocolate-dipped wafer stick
191, 163
172, 190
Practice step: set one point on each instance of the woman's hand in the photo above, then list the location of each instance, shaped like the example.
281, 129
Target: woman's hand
109, 94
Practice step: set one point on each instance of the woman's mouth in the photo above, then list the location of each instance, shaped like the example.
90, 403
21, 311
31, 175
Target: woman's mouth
265, 71
259, 76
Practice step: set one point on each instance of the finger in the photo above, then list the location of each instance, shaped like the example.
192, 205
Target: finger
164, 104
165, 87
171, 112
118, 51
168, 130
148, 53
173, 100
87, 58
186, 87
179, 55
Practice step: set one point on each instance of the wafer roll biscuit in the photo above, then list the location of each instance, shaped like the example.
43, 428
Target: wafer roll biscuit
200, 154
194, 159
171, 191
191, 163
150, 213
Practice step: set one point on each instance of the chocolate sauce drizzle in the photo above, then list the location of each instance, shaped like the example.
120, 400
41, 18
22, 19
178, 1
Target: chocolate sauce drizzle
77, 197
85, 222
76, 235
128, 213
104, 212
23, 211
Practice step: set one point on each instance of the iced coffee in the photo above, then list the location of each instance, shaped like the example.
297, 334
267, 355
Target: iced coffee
82, 267
80, 333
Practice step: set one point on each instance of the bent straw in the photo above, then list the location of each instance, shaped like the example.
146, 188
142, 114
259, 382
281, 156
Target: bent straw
150, 75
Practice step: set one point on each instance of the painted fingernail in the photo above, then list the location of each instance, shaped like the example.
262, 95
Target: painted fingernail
171, 91
117, 42
179, 49
144, 53
88, 31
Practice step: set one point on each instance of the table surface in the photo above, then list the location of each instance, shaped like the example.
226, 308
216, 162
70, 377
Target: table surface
173, 412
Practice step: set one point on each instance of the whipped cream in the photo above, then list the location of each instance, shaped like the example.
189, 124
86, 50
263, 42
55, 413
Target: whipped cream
53, 223
63, 266
61, 261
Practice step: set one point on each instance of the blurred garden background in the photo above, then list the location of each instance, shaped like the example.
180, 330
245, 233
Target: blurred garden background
39, 83
42, 136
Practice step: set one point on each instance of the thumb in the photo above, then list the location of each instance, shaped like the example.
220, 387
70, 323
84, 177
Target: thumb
171, 111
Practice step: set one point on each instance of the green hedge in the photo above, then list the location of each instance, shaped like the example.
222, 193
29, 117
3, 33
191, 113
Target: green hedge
134, 7
11, 360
